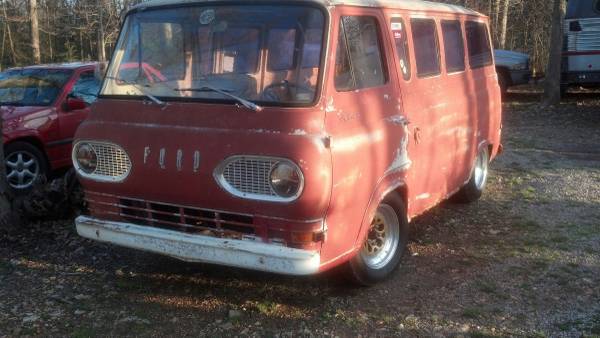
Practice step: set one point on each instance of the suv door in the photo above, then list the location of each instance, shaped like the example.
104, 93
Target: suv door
84, 88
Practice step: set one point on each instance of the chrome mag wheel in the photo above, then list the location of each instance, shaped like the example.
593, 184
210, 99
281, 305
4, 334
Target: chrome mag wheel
383, 238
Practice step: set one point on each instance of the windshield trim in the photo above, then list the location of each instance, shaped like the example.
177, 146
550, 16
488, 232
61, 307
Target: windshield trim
322, 59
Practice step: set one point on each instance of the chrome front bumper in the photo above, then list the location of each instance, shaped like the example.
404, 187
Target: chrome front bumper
198, 248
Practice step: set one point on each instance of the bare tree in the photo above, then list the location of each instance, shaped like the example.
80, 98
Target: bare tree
101, 42
35, 31
504, 24
553, 72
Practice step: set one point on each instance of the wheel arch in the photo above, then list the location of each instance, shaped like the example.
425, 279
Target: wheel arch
388, 185
34, 141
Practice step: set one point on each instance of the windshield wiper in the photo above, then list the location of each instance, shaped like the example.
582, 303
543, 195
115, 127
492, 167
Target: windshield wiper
250, 105
141, 89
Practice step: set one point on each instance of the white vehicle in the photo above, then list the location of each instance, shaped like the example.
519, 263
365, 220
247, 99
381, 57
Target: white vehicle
512, 68
581, 55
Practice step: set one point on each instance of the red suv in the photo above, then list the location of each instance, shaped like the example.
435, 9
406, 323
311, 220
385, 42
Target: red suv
41, 108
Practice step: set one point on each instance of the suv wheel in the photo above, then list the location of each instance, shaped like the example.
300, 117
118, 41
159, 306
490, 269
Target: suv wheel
25, 165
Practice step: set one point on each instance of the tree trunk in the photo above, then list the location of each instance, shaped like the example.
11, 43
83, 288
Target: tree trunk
504, 24
553, 71
13, 54
35, 31
101, 46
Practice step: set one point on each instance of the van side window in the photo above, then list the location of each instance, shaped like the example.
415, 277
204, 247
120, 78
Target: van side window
358, 58
480, 52
427, 54
453, 46
401, 41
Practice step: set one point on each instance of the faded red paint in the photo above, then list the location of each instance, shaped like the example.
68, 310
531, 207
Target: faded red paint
50, 128
347, 146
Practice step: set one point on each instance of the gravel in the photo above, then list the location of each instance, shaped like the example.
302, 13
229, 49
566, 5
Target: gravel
523, 261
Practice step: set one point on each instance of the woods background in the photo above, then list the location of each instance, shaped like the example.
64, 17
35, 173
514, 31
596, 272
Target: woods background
45, 31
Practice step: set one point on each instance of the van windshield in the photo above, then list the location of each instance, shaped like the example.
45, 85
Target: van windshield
264, 54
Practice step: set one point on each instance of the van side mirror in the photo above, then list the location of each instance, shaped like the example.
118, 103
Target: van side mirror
74, 103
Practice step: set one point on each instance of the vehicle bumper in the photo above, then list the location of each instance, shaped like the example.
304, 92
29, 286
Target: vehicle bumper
581, 78
519, 77
198, 248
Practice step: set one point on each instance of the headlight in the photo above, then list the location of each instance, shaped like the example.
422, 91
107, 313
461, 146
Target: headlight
86, 157
285, 179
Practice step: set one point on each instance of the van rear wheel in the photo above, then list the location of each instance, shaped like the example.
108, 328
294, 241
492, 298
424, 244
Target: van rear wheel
473, 190
384, 245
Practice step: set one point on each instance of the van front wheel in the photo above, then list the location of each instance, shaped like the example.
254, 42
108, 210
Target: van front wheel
384, 244
473, 190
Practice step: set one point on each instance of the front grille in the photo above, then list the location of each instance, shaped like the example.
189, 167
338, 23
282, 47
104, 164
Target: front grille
187, 219
250, 175
201, 221
112, 160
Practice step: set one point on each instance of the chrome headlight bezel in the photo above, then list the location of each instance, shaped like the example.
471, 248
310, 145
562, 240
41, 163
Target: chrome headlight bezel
96, 175
265, 177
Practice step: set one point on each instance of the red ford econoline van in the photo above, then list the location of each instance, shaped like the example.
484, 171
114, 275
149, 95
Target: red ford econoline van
288, 136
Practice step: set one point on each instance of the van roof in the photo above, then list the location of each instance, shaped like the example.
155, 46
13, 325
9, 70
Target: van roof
416, 5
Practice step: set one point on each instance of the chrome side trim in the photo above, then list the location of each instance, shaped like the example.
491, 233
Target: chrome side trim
219, 175
198, 248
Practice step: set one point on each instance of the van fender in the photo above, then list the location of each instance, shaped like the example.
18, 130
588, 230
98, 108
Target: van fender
387, 184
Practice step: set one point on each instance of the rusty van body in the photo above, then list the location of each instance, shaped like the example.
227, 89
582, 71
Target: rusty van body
288, 136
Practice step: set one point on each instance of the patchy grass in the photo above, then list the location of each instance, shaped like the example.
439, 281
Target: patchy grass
85, 332
472, 312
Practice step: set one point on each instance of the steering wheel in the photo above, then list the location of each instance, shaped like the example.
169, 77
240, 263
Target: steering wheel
274, 91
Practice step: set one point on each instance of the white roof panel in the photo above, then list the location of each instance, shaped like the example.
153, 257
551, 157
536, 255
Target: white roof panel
416, 5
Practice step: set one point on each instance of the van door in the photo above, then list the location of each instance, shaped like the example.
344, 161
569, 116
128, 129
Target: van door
425, 102
360, 99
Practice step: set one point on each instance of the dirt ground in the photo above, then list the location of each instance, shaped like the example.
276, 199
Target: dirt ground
523, 261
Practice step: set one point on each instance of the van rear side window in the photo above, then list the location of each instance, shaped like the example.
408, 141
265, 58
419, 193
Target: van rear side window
358, 58
480, 52
401, 41
453, 46
427, 53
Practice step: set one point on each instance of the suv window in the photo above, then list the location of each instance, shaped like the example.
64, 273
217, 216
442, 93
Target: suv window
453, 46
358, 58
401, 41
480, 52
598, 5
86, 87
426, 47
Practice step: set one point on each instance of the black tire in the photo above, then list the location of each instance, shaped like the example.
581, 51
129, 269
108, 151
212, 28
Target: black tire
359, 269
564, 88
28, 151
473, 190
